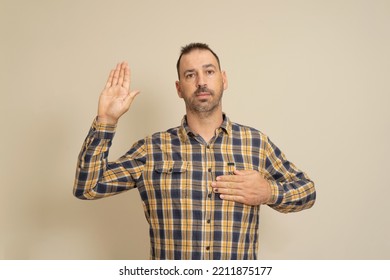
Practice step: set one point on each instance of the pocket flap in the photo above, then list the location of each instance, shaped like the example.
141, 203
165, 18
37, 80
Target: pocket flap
171, 166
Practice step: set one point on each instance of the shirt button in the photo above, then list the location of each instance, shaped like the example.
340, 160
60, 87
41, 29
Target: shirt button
210, 169
208, 248
208, 221
209, 195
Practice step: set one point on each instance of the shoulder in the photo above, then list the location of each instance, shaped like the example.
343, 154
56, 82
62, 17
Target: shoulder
169, 134
244, 134
245, 129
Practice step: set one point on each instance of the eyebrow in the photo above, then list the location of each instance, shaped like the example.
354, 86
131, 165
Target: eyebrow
203, 66
209, 65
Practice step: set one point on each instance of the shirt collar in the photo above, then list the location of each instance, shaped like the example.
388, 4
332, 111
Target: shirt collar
185, 130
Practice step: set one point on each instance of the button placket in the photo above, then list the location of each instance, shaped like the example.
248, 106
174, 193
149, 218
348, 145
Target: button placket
208, 203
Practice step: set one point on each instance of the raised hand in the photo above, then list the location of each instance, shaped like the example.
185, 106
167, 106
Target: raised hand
116, 96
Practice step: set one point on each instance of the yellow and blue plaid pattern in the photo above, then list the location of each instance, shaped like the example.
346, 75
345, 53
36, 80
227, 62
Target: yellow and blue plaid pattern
173, 171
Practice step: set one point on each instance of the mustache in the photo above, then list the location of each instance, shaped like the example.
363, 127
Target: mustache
203, 89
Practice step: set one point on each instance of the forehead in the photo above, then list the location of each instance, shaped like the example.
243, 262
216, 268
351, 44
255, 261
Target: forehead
197, 58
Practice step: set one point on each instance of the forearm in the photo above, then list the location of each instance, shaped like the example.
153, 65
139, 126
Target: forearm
291, 189
95, 177
292, 196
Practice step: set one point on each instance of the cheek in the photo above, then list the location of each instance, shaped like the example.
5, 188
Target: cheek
187, 89
181, 89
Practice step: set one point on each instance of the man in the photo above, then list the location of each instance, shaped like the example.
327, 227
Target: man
201, 183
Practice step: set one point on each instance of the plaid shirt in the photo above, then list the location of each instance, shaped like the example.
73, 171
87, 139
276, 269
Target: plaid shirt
173, 171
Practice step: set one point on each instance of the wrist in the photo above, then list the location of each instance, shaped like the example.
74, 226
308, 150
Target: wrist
106, 120
274, 192
102, 130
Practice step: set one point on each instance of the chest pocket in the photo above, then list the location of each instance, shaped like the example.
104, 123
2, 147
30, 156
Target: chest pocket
170, 174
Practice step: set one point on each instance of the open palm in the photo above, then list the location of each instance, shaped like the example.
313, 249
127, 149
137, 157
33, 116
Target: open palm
116, 97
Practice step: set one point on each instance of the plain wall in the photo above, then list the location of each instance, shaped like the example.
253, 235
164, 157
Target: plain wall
313, 75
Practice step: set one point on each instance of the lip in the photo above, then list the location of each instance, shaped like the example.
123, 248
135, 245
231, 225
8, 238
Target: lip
201, 94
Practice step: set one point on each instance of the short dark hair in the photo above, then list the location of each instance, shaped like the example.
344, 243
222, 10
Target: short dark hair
195, 46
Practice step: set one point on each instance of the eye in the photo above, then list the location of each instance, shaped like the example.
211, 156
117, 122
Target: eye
189, 75
210, 72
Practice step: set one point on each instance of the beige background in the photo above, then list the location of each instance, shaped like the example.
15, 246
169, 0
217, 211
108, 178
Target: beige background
313, 75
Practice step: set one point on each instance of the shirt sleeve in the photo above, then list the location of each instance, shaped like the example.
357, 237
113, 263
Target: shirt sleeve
95, 176
292, 189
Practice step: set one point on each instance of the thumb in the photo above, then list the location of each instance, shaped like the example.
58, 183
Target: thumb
242, 172
239, 172
130, 97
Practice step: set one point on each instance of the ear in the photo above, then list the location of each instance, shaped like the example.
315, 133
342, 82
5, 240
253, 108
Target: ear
224, 80
178, 89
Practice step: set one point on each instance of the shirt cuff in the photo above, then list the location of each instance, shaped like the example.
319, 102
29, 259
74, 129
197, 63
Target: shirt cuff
276, 193
102, 130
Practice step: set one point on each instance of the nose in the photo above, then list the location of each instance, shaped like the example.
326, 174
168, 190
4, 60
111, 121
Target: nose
201, 81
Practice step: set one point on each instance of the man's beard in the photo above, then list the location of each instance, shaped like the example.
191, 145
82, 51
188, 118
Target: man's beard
204, 106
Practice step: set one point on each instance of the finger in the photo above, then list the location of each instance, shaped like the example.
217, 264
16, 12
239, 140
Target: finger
225, 187
109, 80
229, 178
116, 75
121, 73
235, 198
238, 177
244, 172
229, 190
217, 185
239, 172
126, 78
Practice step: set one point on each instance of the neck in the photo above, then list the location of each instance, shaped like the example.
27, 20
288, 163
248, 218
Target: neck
204, 123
